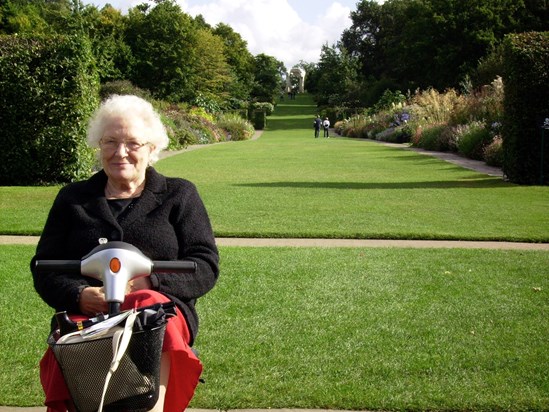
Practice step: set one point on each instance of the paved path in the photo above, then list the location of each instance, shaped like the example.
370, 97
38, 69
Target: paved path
296, 242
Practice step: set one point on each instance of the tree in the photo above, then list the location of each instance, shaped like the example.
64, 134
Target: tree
363, 39
106, 30
21, 18
311, 75
240, 61
211, 70
162, 41
268, 78
422, 43
337, 77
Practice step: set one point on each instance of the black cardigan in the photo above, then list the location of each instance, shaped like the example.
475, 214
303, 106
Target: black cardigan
167, 222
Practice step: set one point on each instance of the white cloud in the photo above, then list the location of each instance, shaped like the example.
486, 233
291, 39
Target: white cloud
274, 27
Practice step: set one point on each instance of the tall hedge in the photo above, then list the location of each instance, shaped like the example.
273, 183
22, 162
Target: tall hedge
49, 87
526, 106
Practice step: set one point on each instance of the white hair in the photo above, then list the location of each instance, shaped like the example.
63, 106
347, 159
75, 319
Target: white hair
128, 107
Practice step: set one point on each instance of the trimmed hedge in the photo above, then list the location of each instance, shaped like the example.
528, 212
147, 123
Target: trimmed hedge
259, 119
526, 106
49, 89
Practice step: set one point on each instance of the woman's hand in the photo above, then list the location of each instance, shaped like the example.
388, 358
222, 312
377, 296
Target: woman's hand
136, 284
92, 301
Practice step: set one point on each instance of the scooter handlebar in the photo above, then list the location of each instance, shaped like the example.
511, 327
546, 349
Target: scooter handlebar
66, 266
115, 263
174, 266
73, 266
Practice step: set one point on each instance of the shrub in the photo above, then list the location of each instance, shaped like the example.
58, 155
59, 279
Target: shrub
449, 138
266, 107
388, 100
484, 105
179, 130
355, 126
201, 113
490, 66
259, 119
402, 134
186, 127
472, 139
207, 103
428, 137
493, 153
49, 90
235, 126
339, 126
122, 87
526, 105
331, 114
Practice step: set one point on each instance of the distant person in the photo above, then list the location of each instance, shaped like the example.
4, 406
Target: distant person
326, 127
317, 124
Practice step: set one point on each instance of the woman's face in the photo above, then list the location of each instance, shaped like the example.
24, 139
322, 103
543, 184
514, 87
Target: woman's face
125, 151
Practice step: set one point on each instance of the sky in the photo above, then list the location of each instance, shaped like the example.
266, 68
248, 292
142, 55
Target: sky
288, 30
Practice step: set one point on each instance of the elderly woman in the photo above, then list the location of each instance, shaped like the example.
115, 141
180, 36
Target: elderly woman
128, 200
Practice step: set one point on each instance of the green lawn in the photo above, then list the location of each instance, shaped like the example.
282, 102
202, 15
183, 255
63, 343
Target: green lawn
288, 184
347, 328
378, 329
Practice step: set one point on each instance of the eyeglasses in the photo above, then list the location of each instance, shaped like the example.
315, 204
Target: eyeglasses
130, 145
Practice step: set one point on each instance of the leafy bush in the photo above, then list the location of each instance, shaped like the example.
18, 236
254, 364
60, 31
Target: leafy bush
402, 134
489, 67
235, 104
122, 87
388, 100
493, 153
235, 126
49, 90
449, 138
188, 127
472, 139
267, 107
339, 126
355, 126
429, 137
484, 105
179, 130
207, 103
202, 113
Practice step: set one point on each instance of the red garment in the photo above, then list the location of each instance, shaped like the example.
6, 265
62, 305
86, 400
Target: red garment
185, 367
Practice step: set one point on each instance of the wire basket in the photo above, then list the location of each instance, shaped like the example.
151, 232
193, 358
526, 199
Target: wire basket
133, 386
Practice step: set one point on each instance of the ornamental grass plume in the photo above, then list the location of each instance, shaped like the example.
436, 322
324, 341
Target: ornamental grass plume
431, 106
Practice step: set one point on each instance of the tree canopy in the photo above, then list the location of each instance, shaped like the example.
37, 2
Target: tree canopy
434, 43
157, 47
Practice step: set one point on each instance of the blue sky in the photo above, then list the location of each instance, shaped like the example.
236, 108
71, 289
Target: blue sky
289, 30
